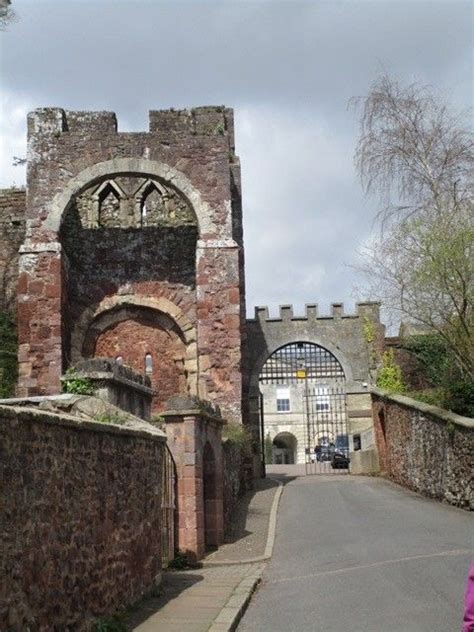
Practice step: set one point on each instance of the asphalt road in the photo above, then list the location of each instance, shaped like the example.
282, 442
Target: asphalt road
359, 554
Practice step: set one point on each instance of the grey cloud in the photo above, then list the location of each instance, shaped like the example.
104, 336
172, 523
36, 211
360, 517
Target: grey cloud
288, 68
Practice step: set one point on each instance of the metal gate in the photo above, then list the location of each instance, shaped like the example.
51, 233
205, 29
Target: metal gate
327, 438
168, 508
316, 418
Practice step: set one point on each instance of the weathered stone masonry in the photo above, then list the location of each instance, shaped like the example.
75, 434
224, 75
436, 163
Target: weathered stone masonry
134, 250
425, 448
12, 233
80, 520
344, 335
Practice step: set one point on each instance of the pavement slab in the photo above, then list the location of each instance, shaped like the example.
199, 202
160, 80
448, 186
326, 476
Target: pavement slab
247, 538
214, 597
193, 600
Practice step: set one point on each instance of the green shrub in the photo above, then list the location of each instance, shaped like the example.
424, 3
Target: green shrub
76, 384
109, 624
179, 561
460, 397
433, 396
8, 356
110, 417
389, 375
451, 389
432, 355
268, 449
239, 435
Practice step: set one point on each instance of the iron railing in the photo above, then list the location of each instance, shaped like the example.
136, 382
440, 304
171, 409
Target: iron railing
168, 508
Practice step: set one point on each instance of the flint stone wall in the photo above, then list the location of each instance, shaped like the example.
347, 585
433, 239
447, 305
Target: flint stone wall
81, 519
425, 448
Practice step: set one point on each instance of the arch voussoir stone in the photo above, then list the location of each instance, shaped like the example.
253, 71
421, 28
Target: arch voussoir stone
129, 166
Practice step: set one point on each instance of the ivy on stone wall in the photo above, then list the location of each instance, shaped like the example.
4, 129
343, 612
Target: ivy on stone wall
8, 356
389, 375
268, 449
369, 333
239, 435
450, 389
76, 384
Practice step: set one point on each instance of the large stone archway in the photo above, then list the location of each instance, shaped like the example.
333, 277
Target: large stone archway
109, 169
342, 335
284, 448
151, 336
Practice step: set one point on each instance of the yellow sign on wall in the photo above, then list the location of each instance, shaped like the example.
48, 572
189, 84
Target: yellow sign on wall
301, 373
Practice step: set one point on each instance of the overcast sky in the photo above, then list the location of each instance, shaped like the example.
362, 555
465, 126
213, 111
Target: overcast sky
287, 68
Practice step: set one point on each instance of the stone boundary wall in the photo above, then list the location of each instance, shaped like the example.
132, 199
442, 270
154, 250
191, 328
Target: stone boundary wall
425, 448
117, 384
81, 519
237, 480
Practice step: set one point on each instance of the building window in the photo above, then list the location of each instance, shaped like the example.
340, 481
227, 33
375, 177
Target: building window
357, 442
148, 364
283, 400
322, 399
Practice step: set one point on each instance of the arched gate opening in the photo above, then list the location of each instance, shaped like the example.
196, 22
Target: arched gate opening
303, 395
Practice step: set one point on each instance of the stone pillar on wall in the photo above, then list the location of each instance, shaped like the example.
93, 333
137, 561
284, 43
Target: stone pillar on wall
219, 325
194, 431
39, 319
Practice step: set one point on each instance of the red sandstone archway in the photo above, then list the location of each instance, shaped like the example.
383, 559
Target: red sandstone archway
149, 342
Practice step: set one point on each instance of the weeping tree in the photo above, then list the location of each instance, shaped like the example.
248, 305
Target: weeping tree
417, 157
7, 15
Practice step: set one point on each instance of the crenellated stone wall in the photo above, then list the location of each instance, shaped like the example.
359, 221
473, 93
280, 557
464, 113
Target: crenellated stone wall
80, 520
355, 341
342, 334
425, 448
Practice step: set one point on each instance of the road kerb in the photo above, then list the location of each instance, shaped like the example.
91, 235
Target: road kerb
230, 615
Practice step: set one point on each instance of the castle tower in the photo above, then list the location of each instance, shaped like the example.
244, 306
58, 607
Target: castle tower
134, 251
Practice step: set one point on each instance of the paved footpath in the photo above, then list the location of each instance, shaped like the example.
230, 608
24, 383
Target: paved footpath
361, 554
213, 598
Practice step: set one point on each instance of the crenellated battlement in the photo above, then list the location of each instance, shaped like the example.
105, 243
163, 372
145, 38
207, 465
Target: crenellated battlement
286, 313
167, 124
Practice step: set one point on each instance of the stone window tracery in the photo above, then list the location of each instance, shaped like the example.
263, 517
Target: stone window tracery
133, 202
109, 207
153, 207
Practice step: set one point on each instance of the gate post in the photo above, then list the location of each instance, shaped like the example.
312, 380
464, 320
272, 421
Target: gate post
194, 431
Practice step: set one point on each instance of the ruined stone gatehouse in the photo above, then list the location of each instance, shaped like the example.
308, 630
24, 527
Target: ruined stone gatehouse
130, 247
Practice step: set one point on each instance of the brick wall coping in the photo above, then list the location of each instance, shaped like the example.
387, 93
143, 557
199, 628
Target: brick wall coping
109, 376
25, 414
439, 413
193, 412
190, 405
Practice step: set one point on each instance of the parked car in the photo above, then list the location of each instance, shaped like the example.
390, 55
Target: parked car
340, 461
325, 453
